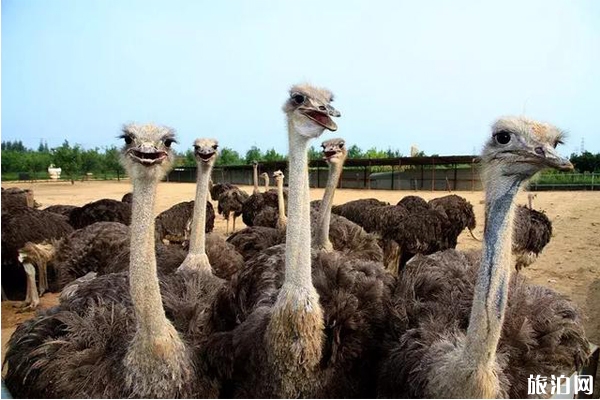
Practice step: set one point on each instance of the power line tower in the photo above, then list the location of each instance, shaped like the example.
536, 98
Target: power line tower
582, 149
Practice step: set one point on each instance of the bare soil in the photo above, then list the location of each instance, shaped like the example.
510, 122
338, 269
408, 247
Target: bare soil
569, 264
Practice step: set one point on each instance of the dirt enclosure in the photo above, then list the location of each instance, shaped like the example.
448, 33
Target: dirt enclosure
569, 264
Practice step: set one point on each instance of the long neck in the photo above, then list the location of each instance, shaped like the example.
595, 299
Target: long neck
266, 183
197, 237
255, 178
335, 171
298, 251
491, 291
282, 220
143, 281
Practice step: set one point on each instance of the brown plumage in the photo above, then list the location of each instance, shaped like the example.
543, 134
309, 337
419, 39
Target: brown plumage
127, 197
542, 331
16, 197
261, 209
352, 293
173, 224
412, 203
100, 210
231, 201
104, 348
460, 215
19, 226
532, 232
217, 189
62, 209
464, 327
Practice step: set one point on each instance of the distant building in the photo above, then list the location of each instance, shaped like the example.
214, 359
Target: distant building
54, 172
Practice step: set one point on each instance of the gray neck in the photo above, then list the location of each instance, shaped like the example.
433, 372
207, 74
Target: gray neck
266, 184
281, 204
298, 241
255, 178
197, 237
323, 242
143, 281
491, 291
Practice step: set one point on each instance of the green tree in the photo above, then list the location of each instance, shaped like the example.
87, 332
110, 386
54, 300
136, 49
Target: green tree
68, 159
91, 161
229, 156
38, 162
112, 163
254, 154
355, 152
272, 155
586, 161
314, 154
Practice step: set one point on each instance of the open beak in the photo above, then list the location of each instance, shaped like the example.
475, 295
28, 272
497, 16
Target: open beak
204, 156
328, 154
323, 117
147, 154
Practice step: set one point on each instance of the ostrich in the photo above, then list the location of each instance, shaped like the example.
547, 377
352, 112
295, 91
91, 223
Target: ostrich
173, 224
333, 232
89, 249
532, 232
457, 333
310, 320
460, 214
21, 225
15, 197
265, 177
226, 260
137, 350
218, 189
281, 217
412, 203
100, 210
231, 202
62, 209
261, 208
127, 197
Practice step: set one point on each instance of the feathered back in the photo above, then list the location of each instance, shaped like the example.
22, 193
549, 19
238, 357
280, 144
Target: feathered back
256, 203
532, 230
62, 209
100, 210
413, 203
459, 212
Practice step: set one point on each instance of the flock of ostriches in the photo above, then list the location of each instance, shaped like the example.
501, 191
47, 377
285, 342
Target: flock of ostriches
364, 299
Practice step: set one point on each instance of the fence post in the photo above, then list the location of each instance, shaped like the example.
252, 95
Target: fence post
593, 181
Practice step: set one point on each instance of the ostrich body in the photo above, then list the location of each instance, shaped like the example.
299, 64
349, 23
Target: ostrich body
532, 232
333, 232
100, 210
90, 249
16, 197
231, 202
136, 351
62, 209
19, 226
460, 334
460, 215
127, 198
265, 177
218, 189
310, 319
261, 209
173, 225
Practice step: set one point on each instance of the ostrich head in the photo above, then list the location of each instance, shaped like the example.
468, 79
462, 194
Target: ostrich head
147, 151
278, 175
334, 150
522, 147
205, 151
309, 110
265, 176
37, 254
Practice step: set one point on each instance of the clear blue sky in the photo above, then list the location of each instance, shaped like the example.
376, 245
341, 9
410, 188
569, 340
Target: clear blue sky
431, 73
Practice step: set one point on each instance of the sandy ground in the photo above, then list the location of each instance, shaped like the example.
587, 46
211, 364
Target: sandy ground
569, 264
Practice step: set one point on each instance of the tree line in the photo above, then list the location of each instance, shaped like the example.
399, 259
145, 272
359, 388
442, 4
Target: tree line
76, 161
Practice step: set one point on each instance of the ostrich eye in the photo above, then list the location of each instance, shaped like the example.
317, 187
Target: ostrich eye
169, 142
342, 144
298, 98
502, 137
128, 139
215, 146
